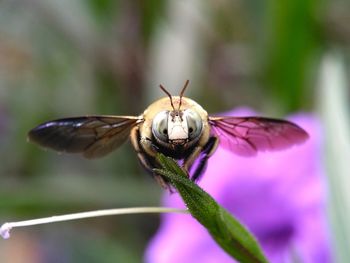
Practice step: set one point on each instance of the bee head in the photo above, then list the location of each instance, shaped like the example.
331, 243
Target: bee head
177, 126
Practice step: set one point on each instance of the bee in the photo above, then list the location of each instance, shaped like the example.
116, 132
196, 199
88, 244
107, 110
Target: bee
176, 126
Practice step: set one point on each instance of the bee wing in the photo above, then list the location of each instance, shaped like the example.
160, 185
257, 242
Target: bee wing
247, 135
93, 136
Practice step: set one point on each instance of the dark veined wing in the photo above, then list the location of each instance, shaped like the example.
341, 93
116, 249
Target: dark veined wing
247, 135
93, 136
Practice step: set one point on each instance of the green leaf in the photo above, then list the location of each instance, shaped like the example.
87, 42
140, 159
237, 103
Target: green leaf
234, 238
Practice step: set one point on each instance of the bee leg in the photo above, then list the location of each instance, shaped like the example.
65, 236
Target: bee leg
188, 161
141, 154
144, 157
206, 153
149, 168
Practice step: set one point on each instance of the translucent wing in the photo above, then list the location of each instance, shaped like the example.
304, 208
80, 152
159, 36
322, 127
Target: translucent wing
93, 136
248, 135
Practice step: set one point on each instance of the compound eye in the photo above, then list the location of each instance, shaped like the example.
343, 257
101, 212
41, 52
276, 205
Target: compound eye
160, 126
194, 124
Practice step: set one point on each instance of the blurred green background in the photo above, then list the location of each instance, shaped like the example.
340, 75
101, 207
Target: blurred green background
61, 58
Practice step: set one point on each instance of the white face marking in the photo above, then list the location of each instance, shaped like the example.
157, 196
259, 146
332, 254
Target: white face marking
177, 128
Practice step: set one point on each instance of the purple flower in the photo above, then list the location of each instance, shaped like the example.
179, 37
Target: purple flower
279, 196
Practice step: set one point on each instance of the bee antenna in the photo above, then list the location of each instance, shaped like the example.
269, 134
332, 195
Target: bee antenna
167, 92
182, 92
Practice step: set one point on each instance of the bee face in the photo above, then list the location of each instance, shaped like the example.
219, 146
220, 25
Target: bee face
177, 127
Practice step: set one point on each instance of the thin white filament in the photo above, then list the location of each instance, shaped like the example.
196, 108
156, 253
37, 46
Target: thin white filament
5, 228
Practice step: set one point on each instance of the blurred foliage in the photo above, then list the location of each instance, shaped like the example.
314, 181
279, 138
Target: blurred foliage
292, 45
61, 58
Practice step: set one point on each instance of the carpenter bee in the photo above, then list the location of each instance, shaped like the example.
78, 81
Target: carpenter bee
176, 126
